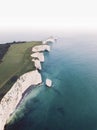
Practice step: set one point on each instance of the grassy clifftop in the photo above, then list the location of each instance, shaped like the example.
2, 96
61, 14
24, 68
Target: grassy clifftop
16, 62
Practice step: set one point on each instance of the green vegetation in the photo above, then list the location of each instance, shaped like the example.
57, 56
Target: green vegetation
16, 62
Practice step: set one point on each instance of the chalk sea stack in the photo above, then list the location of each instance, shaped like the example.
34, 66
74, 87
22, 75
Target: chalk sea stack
48, 83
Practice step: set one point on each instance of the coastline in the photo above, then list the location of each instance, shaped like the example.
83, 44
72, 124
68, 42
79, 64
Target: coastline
14, 95
10, 101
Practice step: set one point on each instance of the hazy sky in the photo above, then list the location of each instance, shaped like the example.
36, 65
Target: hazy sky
27, 19
47, 14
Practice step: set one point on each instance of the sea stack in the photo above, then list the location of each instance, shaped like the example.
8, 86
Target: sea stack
49, 40
48, 83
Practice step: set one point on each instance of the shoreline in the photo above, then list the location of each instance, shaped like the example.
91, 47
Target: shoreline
11, 100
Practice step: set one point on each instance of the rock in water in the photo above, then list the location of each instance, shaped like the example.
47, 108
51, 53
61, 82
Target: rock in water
48, 82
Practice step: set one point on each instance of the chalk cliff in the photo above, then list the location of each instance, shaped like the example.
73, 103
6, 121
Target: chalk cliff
12, 98
41, 48
37, 64
38, 55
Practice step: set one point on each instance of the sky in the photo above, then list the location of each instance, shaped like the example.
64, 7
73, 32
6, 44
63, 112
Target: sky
48, 14
16, 15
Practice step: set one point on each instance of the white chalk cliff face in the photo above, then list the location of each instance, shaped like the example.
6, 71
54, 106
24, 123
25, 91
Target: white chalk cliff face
12, 98
37, 64
38, 55
41, 48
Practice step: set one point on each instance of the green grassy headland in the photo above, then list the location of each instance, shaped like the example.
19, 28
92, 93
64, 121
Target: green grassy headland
16, 62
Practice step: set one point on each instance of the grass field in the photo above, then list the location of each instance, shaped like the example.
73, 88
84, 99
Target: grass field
16, 62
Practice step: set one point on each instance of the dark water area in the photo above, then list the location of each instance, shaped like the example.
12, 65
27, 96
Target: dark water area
71, 104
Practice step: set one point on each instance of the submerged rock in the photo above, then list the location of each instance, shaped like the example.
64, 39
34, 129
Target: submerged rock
48, 82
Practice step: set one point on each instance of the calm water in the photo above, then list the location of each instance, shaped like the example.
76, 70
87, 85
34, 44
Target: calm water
71, 104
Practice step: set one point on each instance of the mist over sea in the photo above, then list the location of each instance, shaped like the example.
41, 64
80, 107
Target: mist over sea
25, 35
42, 34
71, 104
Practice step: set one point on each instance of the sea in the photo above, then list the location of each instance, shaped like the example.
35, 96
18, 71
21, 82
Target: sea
71, 102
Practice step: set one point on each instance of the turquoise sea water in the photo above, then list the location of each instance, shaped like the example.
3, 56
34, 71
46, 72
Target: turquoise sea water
71, 104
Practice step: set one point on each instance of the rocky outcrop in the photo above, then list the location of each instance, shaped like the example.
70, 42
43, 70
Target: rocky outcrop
48, 82
41, 48
12, 98
37, 63
38, 55
50, 39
